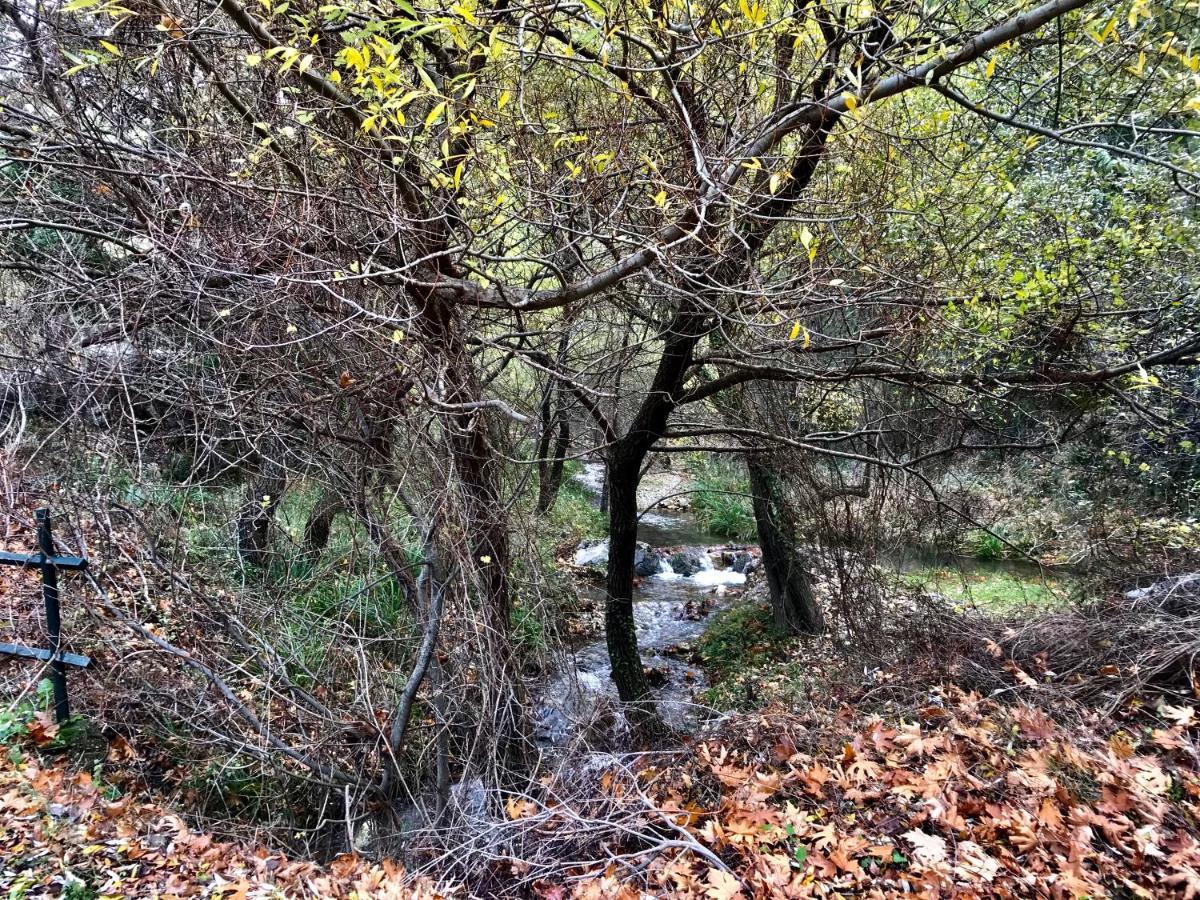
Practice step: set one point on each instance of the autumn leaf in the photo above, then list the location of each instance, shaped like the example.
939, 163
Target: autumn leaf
722, 885
519, 807
42, 728
1180, 715
928, 849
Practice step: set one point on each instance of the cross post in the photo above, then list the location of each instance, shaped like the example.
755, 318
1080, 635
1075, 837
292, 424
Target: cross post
49, 564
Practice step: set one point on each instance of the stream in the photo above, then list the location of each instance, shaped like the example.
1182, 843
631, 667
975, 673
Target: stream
685, 575
671, 609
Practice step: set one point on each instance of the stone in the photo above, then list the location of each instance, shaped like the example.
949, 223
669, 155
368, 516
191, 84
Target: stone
740, 561
647, 561
688, 562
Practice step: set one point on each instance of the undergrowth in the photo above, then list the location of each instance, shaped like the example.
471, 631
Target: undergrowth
747, 659
574, 514
997, 590
721, 499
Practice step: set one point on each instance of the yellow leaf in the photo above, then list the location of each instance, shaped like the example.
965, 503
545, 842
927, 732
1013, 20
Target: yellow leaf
795, 333
991, 68
518, 808
505, 96
397, 336
435, 114
851, 102
660, 199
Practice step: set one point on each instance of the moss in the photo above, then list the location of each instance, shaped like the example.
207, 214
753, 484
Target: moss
748, 659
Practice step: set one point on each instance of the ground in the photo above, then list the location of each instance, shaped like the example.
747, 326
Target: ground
961, 796
66, 833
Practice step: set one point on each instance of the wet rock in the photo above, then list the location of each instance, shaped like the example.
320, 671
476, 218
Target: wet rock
656, 676
743, 562
689, 561
551, 725
683, 650
647, 561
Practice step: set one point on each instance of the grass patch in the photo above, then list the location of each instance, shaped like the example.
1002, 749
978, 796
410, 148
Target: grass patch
574, 513
748, 660
722, 499
998, 590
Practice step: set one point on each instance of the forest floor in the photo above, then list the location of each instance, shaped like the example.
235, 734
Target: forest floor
918, 787
1041, 755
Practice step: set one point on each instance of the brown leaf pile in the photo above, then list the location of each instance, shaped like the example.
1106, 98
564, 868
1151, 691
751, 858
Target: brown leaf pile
60, 835
973, 799
967, 798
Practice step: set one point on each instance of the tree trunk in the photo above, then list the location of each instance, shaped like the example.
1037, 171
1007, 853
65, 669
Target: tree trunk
792, 602
320, 520
255, 518
478, 470
550, 462
619, 627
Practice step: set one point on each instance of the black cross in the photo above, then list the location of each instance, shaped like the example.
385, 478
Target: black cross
49, 565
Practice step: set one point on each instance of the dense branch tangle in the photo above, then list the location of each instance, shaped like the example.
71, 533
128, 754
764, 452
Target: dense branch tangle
385, 222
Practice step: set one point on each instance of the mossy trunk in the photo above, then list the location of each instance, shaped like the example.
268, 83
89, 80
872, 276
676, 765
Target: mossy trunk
792, 602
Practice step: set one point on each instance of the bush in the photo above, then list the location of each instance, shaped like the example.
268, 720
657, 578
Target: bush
741, 648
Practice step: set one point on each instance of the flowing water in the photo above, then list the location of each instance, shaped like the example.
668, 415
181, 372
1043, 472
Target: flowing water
671, 609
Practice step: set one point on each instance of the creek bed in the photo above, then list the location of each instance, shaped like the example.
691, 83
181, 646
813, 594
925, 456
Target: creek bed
671, 610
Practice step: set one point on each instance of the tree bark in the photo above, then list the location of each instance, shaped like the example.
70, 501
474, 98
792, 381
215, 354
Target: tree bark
619, 627
320, 520
556, 427
625, 457
478, 470
255, 518
794, 607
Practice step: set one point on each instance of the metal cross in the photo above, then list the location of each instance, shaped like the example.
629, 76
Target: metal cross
49, 564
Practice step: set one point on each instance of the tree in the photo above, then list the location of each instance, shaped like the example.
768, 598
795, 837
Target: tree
342, 230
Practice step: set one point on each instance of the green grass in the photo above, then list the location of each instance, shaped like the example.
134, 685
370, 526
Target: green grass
748, 660
998, 590
722, 506
574, 513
